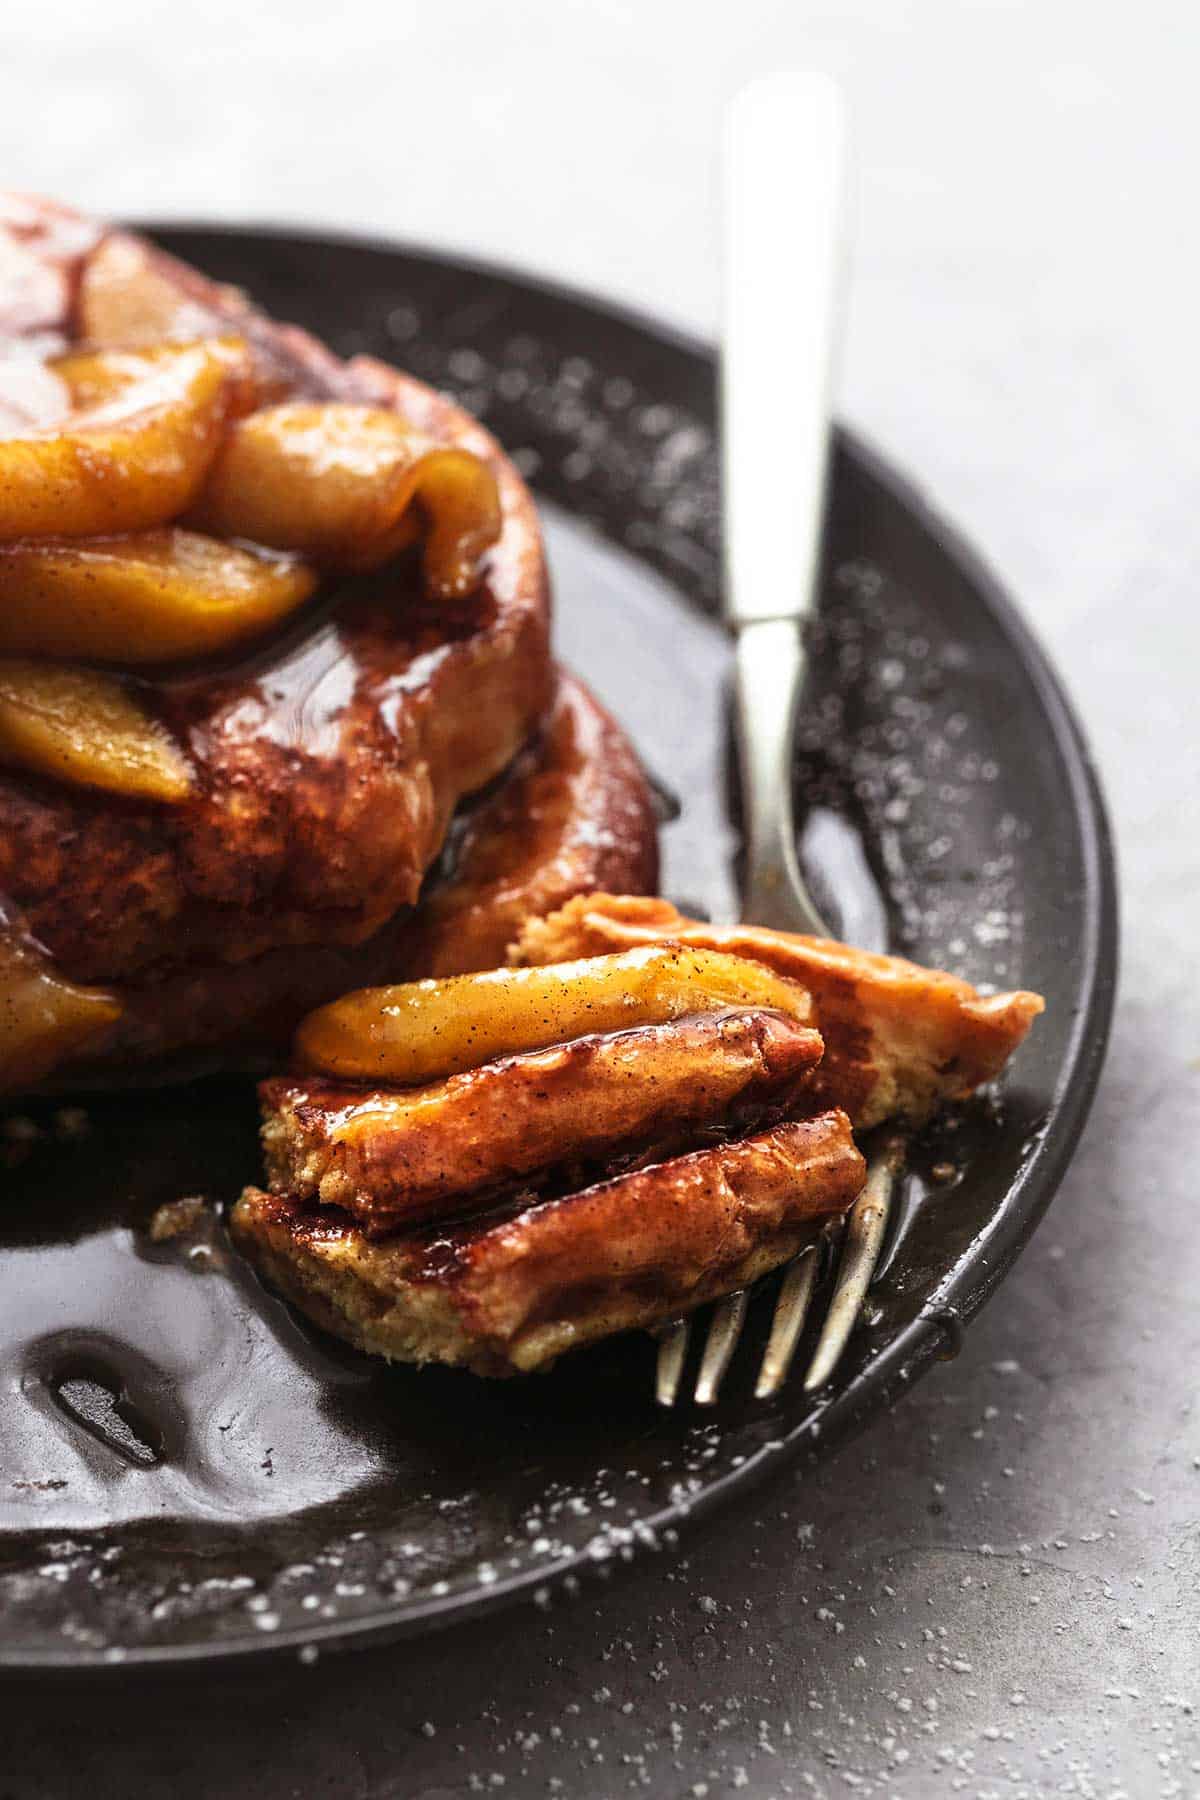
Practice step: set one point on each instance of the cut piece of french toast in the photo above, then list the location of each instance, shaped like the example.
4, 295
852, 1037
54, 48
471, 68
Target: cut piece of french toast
509, 1282
508, 1292
900, 1040
392, 1156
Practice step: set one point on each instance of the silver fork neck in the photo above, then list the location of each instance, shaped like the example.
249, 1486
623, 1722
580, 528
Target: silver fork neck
770, 662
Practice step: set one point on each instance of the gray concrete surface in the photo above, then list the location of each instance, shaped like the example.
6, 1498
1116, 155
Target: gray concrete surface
997, 1591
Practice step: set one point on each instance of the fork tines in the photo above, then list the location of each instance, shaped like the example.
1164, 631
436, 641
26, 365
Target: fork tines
862, 1240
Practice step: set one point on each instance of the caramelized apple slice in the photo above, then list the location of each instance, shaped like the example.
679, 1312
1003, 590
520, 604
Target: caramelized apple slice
155, 596
425, 1030
349, 486
44, 1019
313, 478
96, 377
80, 726
125, 299
457, 494
131, 462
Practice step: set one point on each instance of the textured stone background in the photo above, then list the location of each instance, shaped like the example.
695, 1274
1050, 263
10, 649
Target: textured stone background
996, 1591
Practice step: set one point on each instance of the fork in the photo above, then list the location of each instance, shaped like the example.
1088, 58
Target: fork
784, 255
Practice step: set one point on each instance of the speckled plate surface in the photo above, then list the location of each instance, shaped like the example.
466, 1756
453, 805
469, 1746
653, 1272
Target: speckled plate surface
186, 1472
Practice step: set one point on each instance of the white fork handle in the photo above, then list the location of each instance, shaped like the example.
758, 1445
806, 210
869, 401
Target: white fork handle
784, 264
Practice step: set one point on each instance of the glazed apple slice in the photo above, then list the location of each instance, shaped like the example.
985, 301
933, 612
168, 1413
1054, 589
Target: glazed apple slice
45, 1019
349, 486
457, 495
150, 597
97, 377
80, 726
134, 460
425, 1030
125, 298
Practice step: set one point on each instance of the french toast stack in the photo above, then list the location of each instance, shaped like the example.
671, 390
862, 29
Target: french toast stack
274, 628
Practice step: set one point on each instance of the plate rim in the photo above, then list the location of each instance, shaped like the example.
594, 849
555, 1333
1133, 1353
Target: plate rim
919, 1343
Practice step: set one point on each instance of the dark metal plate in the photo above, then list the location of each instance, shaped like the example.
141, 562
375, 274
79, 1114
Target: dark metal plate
188, 1473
